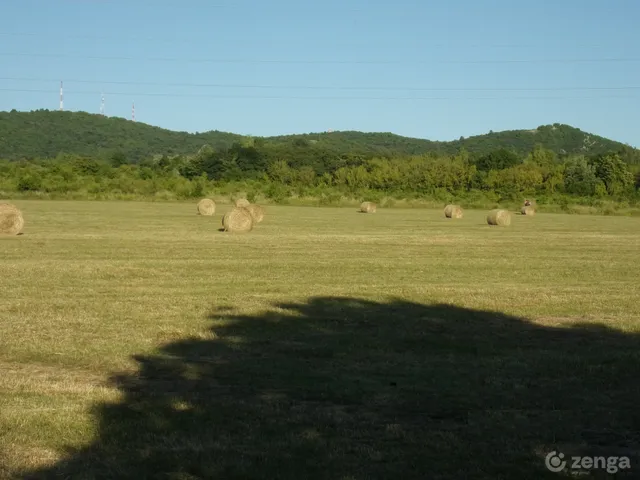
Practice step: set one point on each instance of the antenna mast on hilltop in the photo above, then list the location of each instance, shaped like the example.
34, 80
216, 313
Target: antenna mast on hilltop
61, 97
133, 112
102, 105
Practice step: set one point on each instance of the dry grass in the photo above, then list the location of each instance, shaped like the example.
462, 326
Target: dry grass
242, 202
234, 368
11, 219
206, 207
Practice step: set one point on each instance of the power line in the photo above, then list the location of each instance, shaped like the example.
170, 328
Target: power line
174, 40
319, 87
251, 6
217, 6
294, 97
396, 7
337, 62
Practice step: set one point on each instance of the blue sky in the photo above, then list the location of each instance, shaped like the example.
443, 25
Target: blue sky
442, 69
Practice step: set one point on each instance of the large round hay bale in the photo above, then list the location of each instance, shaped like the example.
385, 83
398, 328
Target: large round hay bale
453, 211
237, 219
11, 219
256, 212
368, 207
499, 217
206, 206
242, 202
528, 210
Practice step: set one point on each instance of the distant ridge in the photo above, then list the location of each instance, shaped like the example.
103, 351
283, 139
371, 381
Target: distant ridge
45, 134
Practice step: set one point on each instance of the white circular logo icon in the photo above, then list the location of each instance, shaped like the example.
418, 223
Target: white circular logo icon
555, 462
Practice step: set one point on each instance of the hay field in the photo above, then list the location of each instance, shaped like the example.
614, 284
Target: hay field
138, 341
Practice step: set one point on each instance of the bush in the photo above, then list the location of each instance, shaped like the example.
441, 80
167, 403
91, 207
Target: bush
29, 183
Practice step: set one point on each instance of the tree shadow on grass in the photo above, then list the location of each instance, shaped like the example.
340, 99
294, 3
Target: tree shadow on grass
340, 388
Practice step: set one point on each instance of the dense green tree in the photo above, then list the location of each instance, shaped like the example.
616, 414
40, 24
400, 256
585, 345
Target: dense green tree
613, 172
543, 157
306, 176
248, 159
629, 155
498, 160
218, 165
280, 172
118, 158
29, 182
580, 177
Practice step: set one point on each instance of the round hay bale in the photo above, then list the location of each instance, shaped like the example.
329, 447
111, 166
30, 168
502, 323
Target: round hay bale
256, 212
237, 219
368, 207
528, 210
499, 217
242, 202
11, 219
206, 206
453, 211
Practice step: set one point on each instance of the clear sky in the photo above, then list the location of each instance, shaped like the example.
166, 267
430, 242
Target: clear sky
427, 69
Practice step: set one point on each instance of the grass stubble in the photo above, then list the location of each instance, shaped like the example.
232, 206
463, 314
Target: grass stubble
90, 285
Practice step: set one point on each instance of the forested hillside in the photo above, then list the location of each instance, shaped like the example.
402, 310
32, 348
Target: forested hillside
79, 155
45, 134
561, 139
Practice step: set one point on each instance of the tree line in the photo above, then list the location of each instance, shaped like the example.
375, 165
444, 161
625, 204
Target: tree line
280, 174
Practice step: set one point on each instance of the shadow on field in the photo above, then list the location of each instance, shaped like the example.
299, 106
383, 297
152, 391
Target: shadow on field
340, 388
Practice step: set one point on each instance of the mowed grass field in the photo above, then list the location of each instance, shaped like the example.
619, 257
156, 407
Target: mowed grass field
138, 341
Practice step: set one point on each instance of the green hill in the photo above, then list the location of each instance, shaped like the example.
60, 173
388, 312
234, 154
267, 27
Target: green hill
365, 143
44, 133
562, 139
